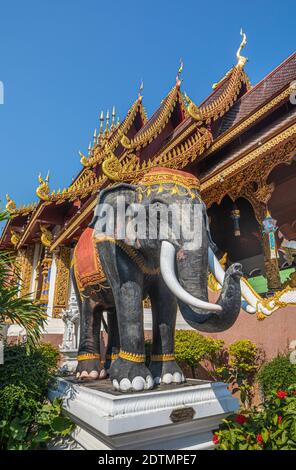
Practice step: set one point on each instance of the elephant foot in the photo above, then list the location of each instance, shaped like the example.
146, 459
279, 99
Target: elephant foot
90, 369
128, 376
166, 372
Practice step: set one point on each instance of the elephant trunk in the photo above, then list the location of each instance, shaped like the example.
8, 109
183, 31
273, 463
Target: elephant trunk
192, 294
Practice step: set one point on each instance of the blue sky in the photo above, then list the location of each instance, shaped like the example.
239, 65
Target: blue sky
62, 61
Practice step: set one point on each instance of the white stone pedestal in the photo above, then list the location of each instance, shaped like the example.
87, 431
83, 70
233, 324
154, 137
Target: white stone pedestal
170, 417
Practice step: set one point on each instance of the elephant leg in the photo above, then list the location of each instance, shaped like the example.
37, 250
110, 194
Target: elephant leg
163, 366
89, 359
113, 344
128, 371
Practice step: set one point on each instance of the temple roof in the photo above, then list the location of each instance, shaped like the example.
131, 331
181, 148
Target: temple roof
255, 97
126, 151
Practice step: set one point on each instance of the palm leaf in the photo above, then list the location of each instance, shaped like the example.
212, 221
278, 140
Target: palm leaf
16, 308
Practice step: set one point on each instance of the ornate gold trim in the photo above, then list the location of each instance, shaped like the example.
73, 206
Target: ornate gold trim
73, 226
247, 122
239, 164
62, 281
27, 269
112, 357
162, 357
132, 253
131, 356
87, 356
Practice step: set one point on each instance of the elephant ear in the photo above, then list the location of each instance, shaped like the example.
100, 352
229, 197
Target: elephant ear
109, 196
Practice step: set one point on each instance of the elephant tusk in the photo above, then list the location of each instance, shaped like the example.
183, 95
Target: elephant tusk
219, 273
167, 268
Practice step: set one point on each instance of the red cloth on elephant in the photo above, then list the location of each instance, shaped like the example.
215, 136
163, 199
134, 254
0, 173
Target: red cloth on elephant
87, 266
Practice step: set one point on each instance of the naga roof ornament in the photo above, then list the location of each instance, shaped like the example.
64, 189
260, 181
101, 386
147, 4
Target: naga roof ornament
10, 205
226, 91
43, 190
46, 236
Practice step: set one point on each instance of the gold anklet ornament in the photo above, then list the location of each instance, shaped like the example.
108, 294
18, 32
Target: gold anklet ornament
162, 357
87, 356
132, 356
112, 357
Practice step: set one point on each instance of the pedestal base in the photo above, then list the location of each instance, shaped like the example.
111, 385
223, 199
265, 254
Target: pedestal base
168, 417
69, 363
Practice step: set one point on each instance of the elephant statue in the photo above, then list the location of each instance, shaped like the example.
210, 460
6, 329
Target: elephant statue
113, 273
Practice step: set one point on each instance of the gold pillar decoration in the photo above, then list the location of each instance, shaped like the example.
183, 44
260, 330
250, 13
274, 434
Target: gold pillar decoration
62, 281
45, 267
27, 269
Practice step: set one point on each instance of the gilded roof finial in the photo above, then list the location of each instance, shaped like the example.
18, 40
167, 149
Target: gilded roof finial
101, 122
11, 205
43, 190
113, 119
95, 137
241, 60
118, 122
141, 88
180, 70
106, 132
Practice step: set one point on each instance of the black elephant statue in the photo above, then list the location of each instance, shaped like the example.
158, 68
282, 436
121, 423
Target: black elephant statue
113, 273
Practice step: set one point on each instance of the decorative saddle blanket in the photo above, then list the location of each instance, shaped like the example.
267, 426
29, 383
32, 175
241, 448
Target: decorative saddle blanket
87, 266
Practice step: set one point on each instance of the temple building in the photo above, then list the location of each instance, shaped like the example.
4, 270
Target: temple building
240, 142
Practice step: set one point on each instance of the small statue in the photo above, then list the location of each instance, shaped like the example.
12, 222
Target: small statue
70, 317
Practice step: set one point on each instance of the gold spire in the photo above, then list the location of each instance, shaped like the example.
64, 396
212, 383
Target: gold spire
43, 190
11, 205
95, 137
106, 132
113, 119
241, 60
101, 123
89, 149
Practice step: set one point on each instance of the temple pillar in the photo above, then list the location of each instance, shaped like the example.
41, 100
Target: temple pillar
259, 198
52, 282
270, 256
62, 284
34, 268
46, 271
26, 269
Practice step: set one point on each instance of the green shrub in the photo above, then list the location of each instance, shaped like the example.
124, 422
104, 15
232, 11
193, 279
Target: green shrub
27, 419
31, 370
277, 374
241, 368
192, 347
271, 426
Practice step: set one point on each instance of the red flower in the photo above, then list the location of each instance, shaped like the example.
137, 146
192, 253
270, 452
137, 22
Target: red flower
259, 439
240, 419
294, 393
281, 394
215, 439
280, 419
